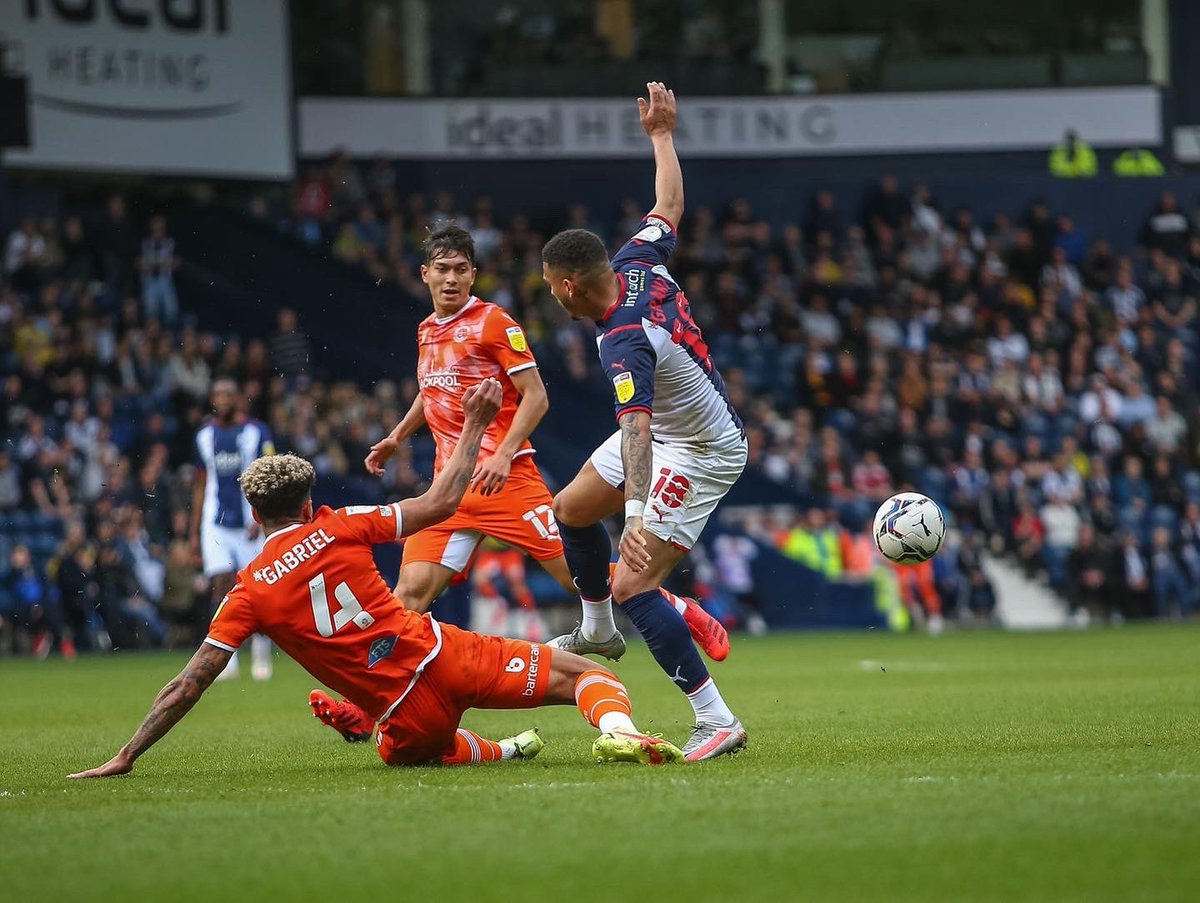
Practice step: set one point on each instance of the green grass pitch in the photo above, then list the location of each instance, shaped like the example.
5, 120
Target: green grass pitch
973, 766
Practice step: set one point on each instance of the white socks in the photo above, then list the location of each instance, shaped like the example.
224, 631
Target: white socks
508, 749
616, 721
708, 705
598, 624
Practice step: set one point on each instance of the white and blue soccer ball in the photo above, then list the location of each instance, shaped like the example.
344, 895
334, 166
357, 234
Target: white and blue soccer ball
909, 528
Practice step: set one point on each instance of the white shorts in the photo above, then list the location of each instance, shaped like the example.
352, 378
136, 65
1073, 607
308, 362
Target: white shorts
226, 550
686, 483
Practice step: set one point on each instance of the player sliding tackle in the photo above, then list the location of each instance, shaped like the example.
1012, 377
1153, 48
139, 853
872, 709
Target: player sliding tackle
679, 448
314, 589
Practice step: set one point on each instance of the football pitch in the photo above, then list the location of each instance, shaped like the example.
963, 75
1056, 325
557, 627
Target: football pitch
972, 766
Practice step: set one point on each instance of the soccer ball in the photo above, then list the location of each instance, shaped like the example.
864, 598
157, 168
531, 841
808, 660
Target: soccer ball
909, 528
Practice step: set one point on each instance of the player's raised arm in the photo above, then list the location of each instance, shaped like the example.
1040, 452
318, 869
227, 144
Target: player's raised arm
382, 451
480, 403
173, 702
658, 115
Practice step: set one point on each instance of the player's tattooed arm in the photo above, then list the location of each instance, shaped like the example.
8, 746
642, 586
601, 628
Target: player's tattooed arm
173, 702
637, 458
481, 403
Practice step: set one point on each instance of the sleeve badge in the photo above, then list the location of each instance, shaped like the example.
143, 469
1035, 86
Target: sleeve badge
623, 384
516, 338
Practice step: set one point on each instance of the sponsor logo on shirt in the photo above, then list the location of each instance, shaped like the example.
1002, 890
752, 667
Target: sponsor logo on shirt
440, 379
534, 666
516, 338
635, 284
228, 463
380, 650
623, 385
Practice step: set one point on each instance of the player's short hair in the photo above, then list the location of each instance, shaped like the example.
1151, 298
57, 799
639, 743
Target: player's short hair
448, 240
277, 486
576, 252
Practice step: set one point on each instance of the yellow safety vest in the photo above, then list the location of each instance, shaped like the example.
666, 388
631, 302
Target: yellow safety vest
1137, 162
1081, 165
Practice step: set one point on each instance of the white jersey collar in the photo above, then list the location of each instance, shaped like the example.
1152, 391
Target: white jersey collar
442, 321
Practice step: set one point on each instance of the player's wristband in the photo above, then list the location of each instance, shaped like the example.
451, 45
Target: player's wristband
634, 508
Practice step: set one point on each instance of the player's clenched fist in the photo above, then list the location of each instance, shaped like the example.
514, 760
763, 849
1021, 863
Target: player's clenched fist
481, 402
657, 113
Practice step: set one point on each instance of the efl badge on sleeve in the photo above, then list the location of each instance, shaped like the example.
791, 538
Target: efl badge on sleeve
516, 338
623, 384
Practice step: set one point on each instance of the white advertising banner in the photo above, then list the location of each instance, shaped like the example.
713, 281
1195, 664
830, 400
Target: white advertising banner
196, 87
733, 126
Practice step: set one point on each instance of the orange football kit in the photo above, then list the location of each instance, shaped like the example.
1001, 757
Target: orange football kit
455, 353
315, 590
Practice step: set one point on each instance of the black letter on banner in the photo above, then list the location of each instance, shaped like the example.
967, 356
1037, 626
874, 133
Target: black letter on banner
82, 12
132, 18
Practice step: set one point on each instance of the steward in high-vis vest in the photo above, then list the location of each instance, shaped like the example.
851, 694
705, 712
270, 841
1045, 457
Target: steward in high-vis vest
1073, 159
1137, 162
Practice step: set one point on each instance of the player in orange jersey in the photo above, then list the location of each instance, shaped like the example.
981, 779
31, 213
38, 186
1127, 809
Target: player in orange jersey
465, 340
315, 591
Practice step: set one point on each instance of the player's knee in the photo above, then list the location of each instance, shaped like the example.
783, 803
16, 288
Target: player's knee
627, 584
567, 512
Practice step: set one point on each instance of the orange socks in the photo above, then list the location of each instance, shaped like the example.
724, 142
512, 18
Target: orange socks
470, 748
603, 701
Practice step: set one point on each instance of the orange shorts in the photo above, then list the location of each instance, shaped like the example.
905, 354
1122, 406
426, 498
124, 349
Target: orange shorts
472, 671
521, 514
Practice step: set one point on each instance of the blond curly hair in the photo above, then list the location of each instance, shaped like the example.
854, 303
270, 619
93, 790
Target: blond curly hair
277, 486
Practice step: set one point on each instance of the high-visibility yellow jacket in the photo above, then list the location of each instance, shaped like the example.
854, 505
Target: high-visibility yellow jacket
1078, 165
1137, 161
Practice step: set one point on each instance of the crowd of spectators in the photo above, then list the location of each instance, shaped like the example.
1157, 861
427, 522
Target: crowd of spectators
1037, 382
105, 381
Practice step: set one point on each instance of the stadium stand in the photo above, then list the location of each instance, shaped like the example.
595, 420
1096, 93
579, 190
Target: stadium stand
1031, 377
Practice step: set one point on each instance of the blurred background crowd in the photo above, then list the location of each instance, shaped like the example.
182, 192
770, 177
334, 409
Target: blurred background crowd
1038, 383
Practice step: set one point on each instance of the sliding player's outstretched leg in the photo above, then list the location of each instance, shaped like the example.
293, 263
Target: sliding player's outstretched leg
472, 671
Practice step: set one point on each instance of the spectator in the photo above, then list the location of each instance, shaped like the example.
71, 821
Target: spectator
1134, 578
1088, 577
733, 555
290, 353
158, 264
34, 607
24, 255
1171, 588
814, 543
11, 491
1167, 227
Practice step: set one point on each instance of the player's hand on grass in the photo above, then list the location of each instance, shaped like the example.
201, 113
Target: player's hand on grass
491, 475
634, 551
381, 452
481, 402
117, 765
658, 113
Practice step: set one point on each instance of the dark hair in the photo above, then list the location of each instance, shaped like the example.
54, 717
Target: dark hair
575, 252
448, 240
